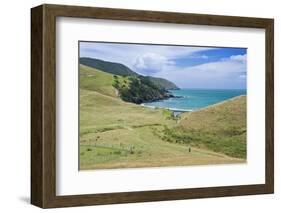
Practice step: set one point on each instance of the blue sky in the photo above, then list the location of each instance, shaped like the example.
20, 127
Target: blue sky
186, 66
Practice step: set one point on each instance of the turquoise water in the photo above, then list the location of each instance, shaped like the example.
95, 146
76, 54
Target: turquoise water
193, 99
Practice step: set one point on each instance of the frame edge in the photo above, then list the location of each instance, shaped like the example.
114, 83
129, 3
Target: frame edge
37, 189
42, 91
269, 69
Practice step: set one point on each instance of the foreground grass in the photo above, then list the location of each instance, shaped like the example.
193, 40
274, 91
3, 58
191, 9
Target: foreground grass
116, 134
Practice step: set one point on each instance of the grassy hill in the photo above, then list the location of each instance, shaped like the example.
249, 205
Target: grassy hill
109, 67
96, 80
164, 83
221, 128
118, 134
122, 70
135, 89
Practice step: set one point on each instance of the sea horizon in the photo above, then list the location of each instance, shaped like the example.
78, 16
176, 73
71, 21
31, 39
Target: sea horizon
191, 99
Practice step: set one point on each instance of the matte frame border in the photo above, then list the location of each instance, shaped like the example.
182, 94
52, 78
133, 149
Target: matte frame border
43, 105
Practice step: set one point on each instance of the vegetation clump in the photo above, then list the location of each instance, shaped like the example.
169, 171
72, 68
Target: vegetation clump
139, 89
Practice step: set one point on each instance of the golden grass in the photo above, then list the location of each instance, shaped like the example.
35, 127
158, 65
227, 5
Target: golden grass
116, 134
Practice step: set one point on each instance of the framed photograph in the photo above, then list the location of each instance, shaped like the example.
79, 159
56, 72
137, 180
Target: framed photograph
136, 106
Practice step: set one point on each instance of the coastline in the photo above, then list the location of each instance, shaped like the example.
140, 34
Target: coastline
168, 108
178, 111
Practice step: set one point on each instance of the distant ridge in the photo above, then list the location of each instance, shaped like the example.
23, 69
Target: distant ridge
122, 70
109, 67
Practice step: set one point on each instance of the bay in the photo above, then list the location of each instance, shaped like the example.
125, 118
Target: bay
194, 99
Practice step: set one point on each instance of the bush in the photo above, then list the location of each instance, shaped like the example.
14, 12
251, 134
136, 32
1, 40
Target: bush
139, 90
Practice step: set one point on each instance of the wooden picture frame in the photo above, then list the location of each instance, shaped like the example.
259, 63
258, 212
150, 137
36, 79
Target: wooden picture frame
43, 105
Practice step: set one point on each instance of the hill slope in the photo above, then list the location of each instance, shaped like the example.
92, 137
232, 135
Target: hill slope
221, 128
122, 70
225, 115
109, 67
96, 80
135, 89
164, 83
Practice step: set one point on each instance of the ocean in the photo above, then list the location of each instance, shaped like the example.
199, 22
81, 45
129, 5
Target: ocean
194, 99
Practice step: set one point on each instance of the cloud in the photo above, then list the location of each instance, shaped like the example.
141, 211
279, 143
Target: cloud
175, 63
233, 64
226, 73
239, 58
150, 63
243, 76
196, 56
138, 56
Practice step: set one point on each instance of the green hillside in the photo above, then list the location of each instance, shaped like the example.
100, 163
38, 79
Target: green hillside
95, 80
109, 67
118, 134
164, 83
131, 89
122, 70
221, 128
